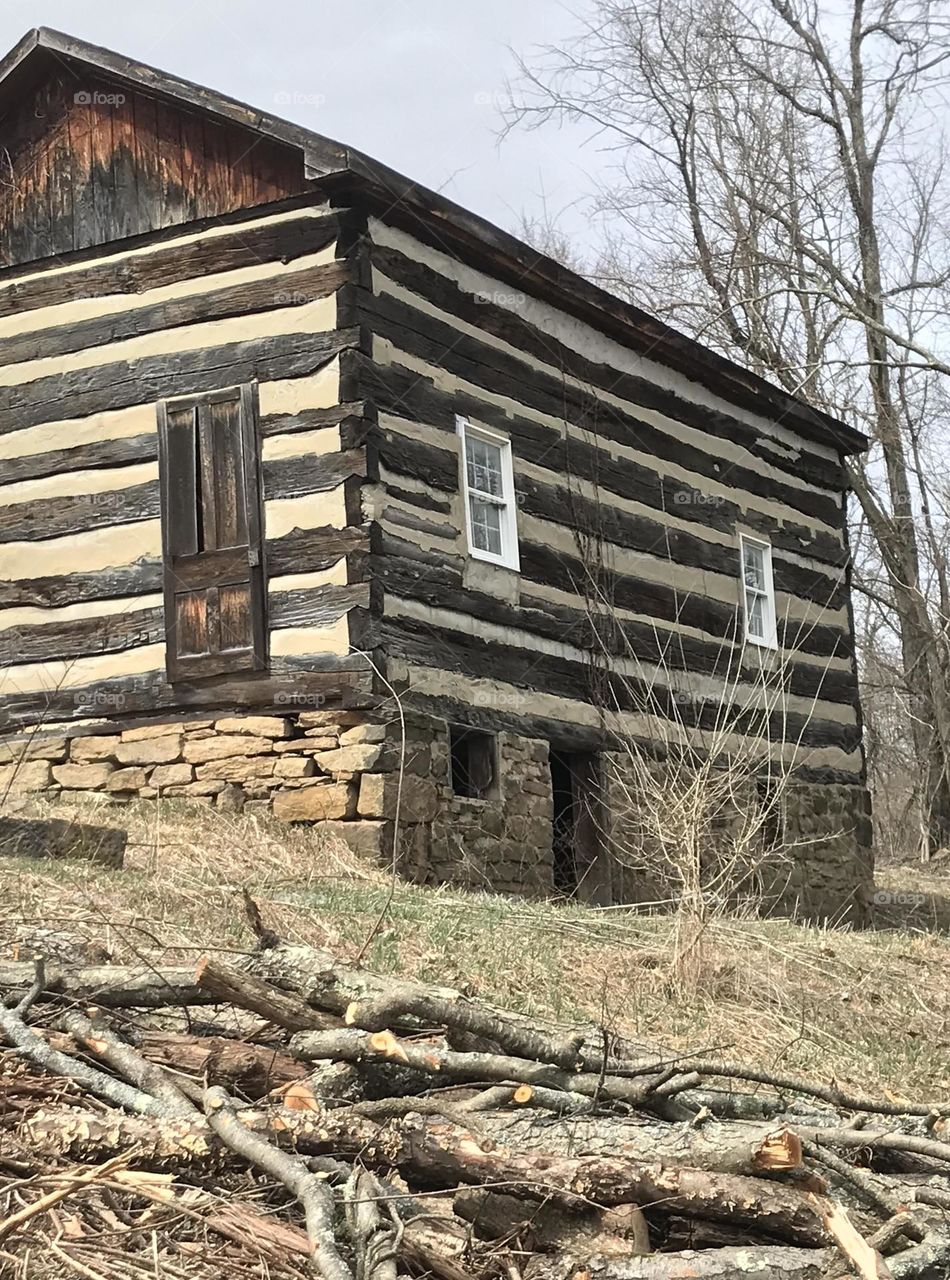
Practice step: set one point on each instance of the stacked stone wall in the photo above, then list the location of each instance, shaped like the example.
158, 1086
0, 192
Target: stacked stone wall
371, 784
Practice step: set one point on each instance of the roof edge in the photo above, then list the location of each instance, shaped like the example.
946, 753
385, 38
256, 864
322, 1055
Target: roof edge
637, 328
331, 164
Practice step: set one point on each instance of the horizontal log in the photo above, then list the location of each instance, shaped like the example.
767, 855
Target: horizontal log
434, 1058
246, 245
561, 505
79, 512
116, 632
273, 293
429, 645
547, 567
111, 986
255, 1069
761, 1262
736, 1147
447, 1155
320, 680
515, 330
123, 383
230, 985
299, 551
144, 448
602, 633
485, 367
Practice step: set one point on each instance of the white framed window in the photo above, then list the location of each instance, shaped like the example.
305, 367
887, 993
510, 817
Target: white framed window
758, 592
488, 488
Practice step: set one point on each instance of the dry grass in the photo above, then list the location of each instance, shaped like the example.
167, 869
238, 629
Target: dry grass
868, 1008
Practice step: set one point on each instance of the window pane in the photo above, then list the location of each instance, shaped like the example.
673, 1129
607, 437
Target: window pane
486, 526
753, 566
484, 466
755, 613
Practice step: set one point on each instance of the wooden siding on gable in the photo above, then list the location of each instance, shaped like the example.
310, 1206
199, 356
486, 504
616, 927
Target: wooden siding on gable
87, 161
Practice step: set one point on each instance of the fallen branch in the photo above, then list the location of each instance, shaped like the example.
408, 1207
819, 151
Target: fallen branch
312, 1192
236, 986
350, 1045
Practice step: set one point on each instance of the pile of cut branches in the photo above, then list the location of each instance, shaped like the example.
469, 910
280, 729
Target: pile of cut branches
287, 1114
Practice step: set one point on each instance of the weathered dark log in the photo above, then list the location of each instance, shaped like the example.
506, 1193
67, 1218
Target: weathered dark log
254, 1069
611, 1232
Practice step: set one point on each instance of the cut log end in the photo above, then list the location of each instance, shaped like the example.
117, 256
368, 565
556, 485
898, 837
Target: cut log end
780, 1150
386, 1044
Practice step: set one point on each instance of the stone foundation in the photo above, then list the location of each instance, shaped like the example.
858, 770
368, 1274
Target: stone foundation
821, 865
342, 767
337, 767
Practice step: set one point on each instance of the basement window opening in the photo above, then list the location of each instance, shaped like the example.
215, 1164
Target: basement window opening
474, 762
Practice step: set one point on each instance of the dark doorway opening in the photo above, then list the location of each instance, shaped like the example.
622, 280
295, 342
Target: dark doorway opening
580, 865
565, 867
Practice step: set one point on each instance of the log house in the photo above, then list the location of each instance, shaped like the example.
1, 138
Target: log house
309, 477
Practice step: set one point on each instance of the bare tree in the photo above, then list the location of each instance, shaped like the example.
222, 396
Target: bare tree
777, 187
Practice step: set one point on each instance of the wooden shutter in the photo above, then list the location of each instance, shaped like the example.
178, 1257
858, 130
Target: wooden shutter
212, 534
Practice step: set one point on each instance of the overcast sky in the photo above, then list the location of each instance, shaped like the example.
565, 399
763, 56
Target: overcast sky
415, 83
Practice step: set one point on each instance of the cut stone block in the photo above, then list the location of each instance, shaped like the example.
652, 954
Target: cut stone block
370, 840
36, 747
93, 747
223, 745
419, 801
294, 767
204, 787
128, 779
30, 775
363, 733
316, 804
349, 759
171, 775
257, 726
329, 719
85, 777
237, 768
146, 731
160, 750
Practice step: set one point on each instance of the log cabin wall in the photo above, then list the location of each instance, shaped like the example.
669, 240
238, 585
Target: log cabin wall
89, 349
88, 160
633, 485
